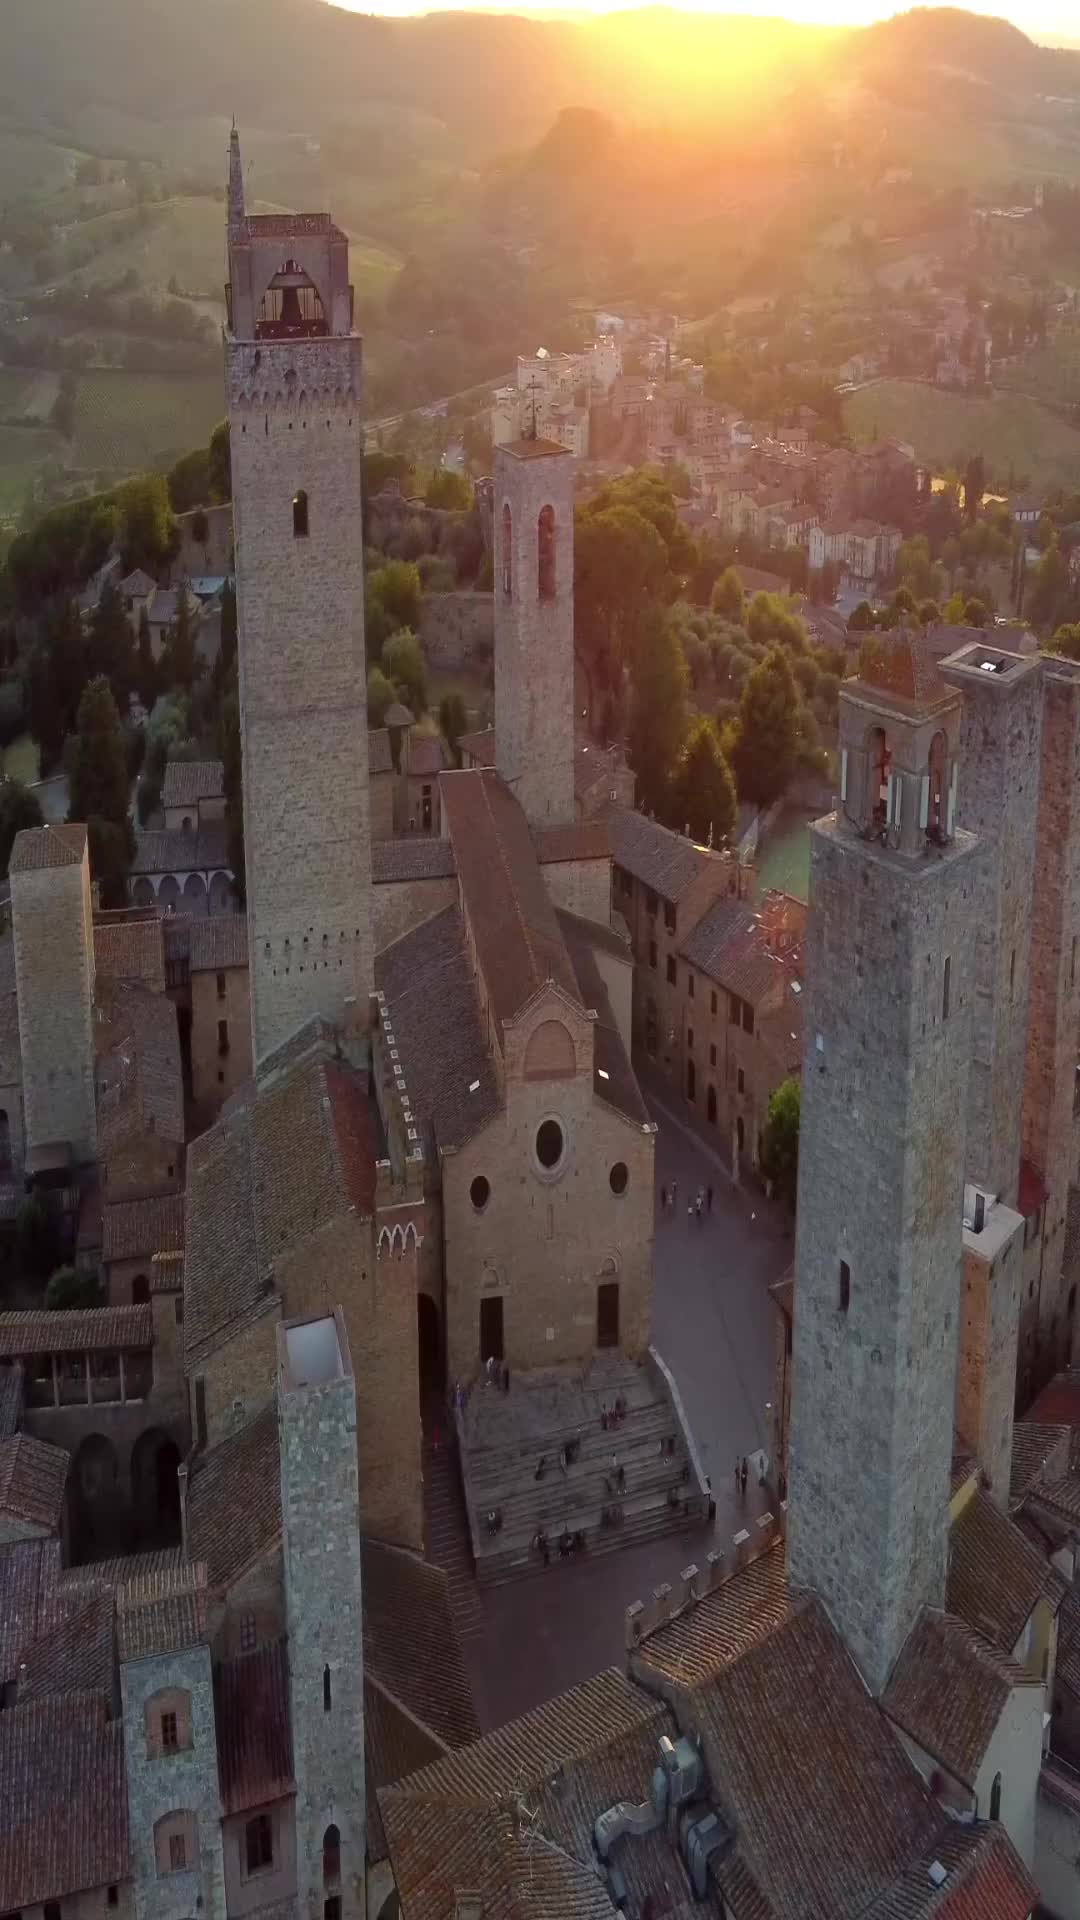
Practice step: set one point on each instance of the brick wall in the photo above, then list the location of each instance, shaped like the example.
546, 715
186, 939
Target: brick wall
54, 971
214, 1076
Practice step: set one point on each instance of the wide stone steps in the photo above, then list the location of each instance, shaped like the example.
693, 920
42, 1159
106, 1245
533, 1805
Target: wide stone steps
446, 1539
491, 1467
516, 1560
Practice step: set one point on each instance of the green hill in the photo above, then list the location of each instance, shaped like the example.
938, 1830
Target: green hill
1015, 434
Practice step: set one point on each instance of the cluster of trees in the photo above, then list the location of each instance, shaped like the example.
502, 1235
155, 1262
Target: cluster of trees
32, 1267
397, 670
61, 551
902, 609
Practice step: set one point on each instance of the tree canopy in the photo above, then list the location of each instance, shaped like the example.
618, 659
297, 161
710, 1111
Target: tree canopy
767, 733
702, 798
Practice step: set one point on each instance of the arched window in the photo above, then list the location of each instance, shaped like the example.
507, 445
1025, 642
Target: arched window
140, 1290
326, 1689
507, 543
300, 515
545, 553
5, 1138
877, 776
995, 1798
937, 775
331, 1857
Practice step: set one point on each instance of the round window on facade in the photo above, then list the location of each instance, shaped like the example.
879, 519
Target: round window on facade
549, 1144
619, 1177
480, 1192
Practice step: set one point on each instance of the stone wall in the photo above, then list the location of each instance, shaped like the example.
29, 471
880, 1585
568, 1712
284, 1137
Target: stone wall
54, 972
534, 634
139, 1164
580, 886
294, 409
214, 1075
321, 1545
242, 1369
162, 1783
878, 1246
457, 630
252, 1893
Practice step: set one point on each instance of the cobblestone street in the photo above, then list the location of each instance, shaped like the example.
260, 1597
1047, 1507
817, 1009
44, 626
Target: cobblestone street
713, 1323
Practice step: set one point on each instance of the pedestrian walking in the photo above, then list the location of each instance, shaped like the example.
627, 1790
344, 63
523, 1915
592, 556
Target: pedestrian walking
744, 1475
674, 1194
738, 1470
697, 1209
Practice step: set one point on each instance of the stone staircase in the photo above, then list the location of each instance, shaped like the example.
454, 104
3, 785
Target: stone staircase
503, 1437
446, 1538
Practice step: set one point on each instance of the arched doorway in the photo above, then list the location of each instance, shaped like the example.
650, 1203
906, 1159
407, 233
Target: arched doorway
168, 892
155, 1489
195, 894
142, 892
95, 1516
221, 893
428, 1346
140, 1290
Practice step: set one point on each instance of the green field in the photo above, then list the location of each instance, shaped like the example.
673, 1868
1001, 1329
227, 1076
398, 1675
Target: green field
21, 760
124, 421
1011, 431
27, 394
1051, 372
23, 452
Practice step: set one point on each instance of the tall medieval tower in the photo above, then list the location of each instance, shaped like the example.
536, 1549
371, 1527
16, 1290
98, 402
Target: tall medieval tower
534, 627
320, 1526
889, 972
53, 932
292, 371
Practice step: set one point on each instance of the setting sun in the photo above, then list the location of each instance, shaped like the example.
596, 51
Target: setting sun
1053, 20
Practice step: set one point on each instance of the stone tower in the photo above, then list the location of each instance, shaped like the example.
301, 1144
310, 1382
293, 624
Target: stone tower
316, 1397
52, 923
534, 627
1049, 1322
998, 801
292, 370
887, 1018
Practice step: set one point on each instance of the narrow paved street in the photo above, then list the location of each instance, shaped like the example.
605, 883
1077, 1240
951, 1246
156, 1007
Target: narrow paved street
713, 1324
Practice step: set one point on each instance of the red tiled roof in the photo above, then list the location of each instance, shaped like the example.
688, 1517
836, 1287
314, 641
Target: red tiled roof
251, 1697
905, 666
137, 1229
996, 1576
697, 1646
33, 1475
131, 950
948, 1690
63, 1800
138, 1073
586, 840
218, 941
416, 858
75, 1330
29, 1598
76, 1655
518, 942
234, 1501
161, 1612
189, 781
1059, 1403
480, 747
406, 1605
36, 848
355, 1132
985, 1879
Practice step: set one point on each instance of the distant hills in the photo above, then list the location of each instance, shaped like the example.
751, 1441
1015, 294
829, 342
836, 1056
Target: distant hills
491, 80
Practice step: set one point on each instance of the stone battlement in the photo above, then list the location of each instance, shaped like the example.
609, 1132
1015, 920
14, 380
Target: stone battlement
399, 1178
646, 1617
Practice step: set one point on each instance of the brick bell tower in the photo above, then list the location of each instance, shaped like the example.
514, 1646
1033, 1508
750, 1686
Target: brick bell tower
292, 374
887, 1018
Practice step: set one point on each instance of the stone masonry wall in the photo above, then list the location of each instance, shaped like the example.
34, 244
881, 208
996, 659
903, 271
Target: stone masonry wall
54, 973
171, 1782
294, 409
884, 1090
214, 1075
457, 630
321, 1540
534, 638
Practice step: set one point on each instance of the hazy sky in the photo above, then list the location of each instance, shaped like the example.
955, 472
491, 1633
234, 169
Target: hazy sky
1043, 19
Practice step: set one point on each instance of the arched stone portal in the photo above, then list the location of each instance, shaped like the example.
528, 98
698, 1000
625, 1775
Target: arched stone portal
155, 1489
429, 1346
195, 894
95, 1511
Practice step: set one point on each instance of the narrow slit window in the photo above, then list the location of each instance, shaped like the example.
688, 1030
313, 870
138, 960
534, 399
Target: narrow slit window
326, 1689
845, 1286
300, 515
945, 988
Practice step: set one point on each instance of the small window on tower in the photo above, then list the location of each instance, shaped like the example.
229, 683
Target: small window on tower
507, 545
845, 1286
300, 515
545, 554
326, 1689
945, 988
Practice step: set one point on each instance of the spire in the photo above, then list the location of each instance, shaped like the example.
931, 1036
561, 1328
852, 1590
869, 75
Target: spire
236, 181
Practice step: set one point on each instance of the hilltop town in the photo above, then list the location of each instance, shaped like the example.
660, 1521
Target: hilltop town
435, 1152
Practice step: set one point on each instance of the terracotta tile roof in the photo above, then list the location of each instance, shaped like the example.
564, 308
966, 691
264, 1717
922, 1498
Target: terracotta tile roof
996, 1576
315, 1140
431, 1000
414, 858
122, 1569
77, 1655
948, 1690
63, 1800
161, 1612
218, 942
479, 747
11, 1396
189, 781
614, 1080
234, 1501
137, 584
1067, 1665
532, 449
251, 1701
586, 840
394, 1745
356, 1134
222, 1282
654, 855
140, 1085
171, 850
906, 667
406, 1605
427, 756
828, 1809
1040, 1453
138, 1229
593, 763
38, 847
452, 1825
131, 950
697, 1646
33, 1475
985, 1880
732, 945
29, 1598
516, 937
76, 1330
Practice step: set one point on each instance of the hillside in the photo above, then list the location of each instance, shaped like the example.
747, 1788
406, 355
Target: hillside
1015, 434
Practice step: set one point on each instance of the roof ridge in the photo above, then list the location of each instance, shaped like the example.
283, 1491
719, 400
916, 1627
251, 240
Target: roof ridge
504, 863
